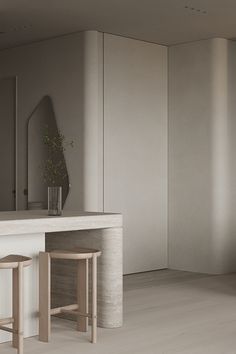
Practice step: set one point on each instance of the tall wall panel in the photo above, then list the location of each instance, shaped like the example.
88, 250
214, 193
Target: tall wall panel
135, 147
202, 164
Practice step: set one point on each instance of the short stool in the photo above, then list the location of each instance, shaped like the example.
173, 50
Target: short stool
81, 308
17, 264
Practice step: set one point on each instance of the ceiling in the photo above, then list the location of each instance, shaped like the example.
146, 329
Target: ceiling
165, 22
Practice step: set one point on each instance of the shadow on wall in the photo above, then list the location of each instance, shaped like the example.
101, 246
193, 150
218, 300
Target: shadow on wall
43, 121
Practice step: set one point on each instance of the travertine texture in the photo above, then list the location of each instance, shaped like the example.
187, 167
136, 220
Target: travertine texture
110, 287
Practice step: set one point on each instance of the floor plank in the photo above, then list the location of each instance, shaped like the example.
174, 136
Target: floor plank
166, 312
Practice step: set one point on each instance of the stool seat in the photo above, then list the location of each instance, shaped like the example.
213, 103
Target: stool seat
12, 261
78, 253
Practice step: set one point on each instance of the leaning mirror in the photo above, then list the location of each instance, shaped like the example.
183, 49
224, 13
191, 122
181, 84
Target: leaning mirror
42, 122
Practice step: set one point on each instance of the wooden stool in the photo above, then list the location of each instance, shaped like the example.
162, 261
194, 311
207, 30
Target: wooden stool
81, 309
16, 263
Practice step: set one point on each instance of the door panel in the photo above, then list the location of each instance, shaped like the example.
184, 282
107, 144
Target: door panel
7, 143
135, 147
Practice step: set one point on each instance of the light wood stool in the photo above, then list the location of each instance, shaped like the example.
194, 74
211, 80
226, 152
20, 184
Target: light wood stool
16, 263
81, 309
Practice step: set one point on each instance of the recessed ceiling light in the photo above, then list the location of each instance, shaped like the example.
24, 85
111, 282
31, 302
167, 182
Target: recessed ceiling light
195, 10
21, 27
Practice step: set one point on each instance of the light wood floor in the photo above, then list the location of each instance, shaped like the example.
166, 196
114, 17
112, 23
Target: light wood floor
165, 312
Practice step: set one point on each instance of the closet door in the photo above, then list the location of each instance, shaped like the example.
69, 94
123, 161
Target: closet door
135, 147
7, 143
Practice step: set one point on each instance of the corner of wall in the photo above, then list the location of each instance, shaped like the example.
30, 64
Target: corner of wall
93, 120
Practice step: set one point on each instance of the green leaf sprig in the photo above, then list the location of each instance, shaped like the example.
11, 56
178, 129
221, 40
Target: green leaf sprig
54, 170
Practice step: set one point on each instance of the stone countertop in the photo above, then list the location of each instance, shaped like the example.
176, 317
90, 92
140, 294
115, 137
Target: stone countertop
38, 221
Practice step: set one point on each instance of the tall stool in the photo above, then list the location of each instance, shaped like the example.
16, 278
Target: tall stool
17, 264
81, 308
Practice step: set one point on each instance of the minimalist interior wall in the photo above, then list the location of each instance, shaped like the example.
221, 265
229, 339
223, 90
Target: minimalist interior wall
53, 68
202, 111
110, 98
135, 147
127, 102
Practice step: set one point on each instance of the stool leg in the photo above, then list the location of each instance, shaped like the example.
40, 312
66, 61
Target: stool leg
82, 294
15, 306
44, 296
20, 315
94, 299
